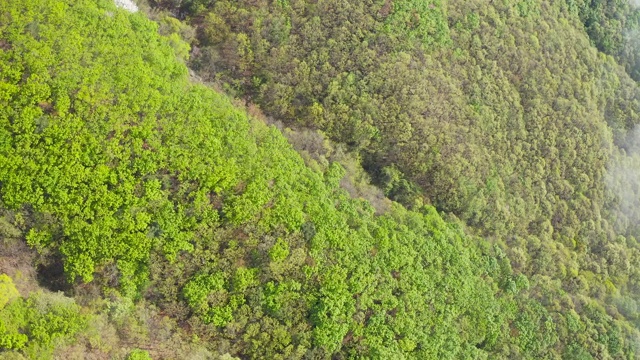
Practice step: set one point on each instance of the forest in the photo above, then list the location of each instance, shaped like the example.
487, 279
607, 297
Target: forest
296, 179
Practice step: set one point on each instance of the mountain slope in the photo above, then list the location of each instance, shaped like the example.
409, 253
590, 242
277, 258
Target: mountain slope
145, 185
114, 164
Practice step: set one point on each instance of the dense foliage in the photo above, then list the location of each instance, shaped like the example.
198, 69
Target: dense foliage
507, 116
152, 188
33, 325
115, 162
613, 27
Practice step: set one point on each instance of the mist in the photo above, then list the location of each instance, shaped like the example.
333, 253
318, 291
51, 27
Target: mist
623, 182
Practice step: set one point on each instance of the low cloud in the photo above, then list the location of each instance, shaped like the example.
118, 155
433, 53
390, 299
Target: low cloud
623, 182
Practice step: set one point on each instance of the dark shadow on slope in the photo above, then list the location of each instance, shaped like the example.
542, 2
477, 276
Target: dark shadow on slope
50, 275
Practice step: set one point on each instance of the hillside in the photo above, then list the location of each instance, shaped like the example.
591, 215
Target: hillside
178, 223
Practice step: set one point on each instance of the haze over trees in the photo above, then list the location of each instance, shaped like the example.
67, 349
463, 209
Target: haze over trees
227, 212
